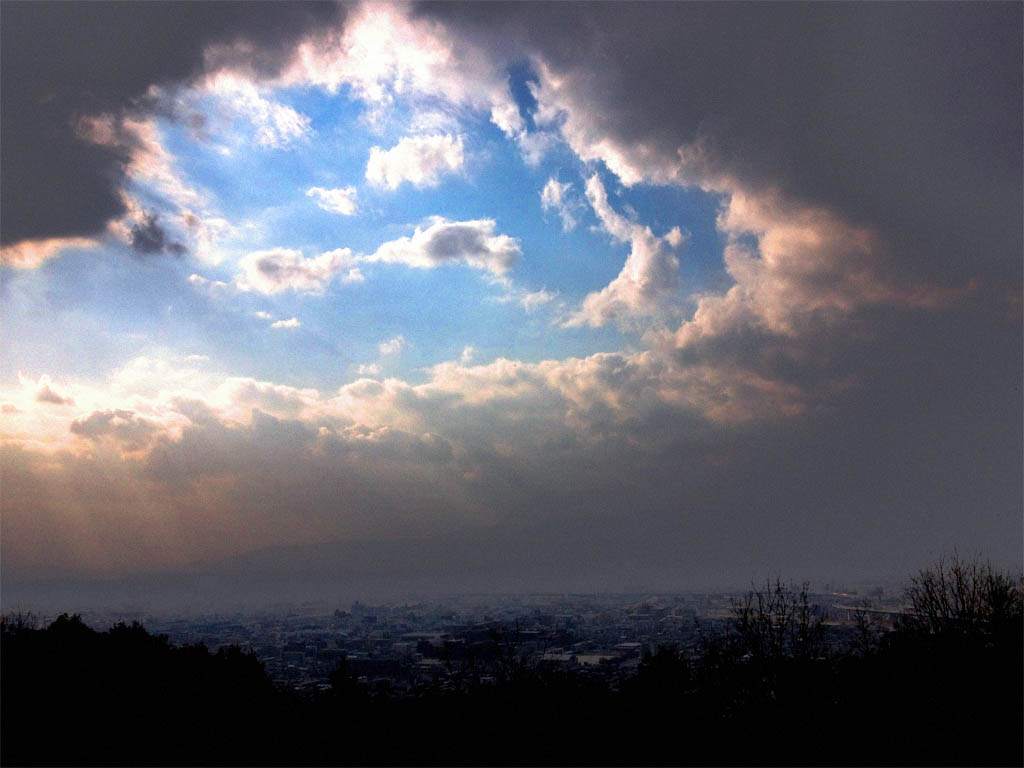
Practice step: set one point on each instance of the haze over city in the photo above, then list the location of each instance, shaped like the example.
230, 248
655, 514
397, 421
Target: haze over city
307, 301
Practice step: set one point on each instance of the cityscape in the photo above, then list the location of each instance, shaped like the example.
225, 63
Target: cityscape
415, 648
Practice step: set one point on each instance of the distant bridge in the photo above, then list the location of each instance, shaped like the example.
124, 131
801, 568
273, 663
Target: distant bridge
886, 611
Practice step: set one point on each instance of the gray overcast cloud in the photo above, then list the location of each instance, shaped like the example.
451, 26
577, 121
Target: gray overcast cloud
849, 406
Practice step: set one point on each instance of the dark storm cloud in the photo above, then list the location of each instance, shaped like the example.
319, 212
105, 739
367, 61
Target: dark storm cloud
61, 61
902, 116
149, 237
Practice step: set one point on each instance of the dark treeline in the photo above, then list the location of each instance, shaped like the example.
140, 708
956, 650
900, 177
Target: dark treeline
943, 688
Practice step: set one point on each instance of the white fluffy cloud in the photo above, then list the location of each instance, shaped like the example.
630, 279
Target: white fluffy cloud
282, 269
451, 242
442, 243
383, 53
556, 197
213, 287
528, 300
341, 200
649, 278
277, 125
532, 300
807, 272
290, 323
392, 346
419, 160
155, 396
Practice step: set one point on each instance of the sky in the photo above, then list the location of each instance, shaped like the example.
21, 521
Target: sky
499, 297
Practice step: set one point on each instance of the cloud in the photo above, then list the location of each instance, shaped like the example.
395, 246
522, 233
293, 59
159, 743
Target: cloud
187, 216
533, 145
112, 54
213, 286
47, 395
384, 53
124, 426
656, 454
886, 117
149, 161
283, 269
29, 254
649, 278
207, 232
278, 126
448, 242
828, 161
808, 270
291, 322
443, 242
555, 197
836, 405
148, 237
532, 300
388, 350
392, 346
419, 160
528, 300
342, 201
354, 275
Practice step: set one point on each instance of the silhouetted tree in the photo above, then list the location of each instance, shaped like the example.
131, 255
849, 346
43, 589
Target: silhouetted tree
776, 622
868, 634
964, 597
